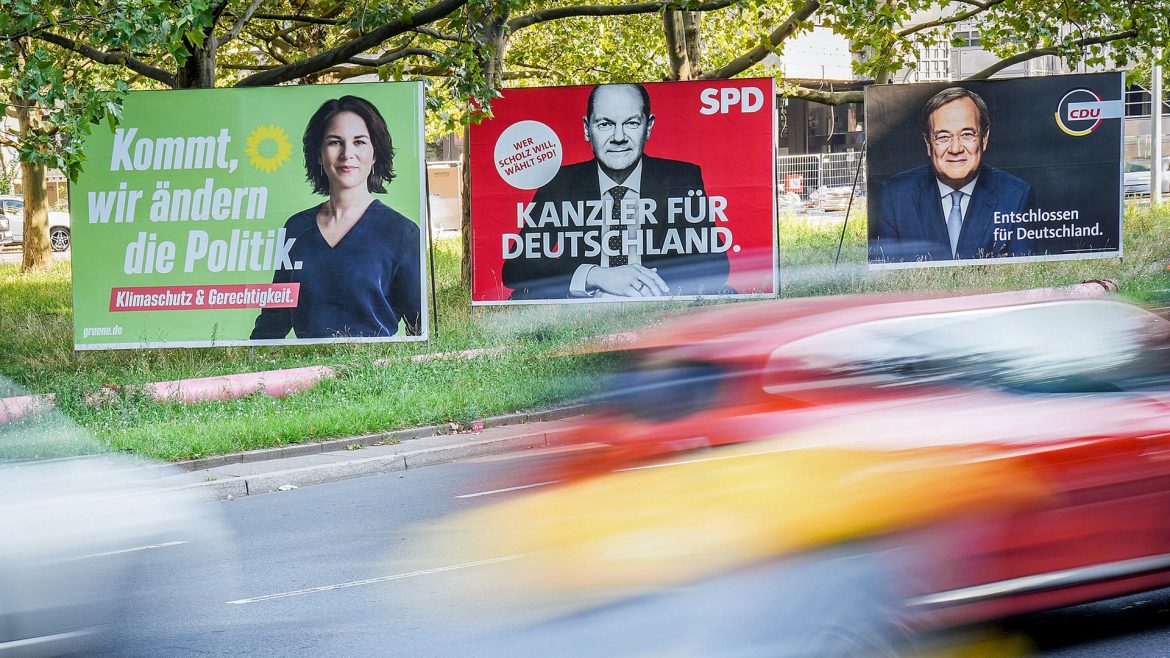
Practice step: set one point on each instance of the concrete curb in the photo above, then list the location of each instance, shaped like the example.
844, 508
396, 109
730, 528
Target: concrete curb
1091, 288
275, 383
380, 438
19, 406
227, 487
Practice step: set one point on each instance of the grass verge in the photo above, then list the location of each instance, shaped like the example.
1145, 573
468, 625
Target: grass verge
532, 371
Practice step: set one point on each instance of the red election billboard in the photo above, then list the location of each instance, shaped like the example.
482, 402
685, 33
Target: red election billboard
625, 192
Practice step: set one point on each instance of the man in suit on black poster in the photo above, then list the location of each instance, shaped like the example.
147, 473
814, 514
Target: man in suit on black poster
645, 204
945, 210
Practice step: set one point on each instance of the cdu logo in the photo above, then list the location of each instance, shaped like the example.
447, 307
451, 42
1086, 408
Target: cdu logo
1081, 111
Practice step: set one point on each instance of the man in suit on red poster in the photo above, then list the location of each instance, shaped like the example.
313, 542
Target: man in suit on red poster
642, 199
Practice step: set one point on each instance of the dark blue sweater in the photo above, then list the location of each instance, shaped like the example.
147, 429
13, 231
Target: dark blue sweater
361, 286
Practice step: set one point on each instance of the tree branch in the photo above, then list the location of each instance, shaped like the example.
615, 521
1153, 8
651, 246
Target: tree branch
344, 72
676, 47
241, 22
1040, 52
396, 55
327, 17
112, 59
557, 13
825, 97
435, 34
757, 54
267, 47
353, 47
980, 7
556, 68
33, 31
313, 20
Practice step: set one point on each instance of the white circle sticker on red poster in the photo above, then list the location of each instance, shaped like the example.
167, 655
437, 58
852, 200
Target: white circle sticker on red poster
528, 154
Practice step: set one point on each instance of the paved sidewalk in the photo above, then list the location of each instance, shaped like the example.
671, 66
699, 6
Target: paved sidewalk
13, 253
263, 471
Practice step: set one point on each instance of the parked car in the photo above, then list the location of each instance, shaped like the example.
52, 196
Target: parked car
960, 459
59, 225
1137, 177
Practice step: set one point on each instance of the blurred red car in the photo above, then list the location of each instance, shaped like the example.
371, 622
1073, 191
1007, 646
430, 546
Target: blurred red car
1068, 398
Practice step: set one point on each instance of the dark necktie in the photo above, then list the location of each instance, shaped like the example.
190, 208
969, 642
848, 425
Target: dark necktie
615, 233
955, 221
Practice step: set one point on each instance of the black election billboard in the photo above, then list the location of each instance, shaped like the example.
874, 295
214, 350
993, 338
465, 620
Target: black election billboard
998, 171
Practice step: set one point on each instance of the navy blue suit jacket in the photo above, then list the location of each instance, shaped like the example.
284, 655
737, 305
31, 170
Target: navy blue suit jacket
911, 223
362, 286
684, 274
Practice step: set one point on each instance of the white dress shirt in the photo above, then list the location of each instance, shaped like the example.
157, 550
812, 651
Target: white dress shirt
945, 190
629, 208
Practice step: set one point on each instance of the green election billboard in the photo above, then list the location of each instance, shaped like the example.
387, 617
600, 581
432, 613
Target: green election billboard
270, 216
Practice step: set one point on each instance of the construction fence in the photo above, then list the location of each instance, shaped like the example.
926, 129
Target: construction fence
820, 182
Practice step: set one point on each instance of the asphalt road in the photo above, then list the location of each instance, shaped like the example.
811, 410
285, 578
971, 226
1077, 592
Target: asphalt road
1134, 626
249, 600
335, 570
11, 253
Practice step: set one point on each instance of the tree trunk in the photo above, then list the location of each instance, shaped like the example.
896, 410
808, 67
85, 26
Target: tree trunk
36, 206
691, 23
465, 214
493, 42
683, 43
198, 72
36, 218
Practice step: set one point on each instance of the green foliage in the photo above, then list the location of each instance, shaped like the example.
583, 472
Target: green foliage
810, 266
65, 93
468, 55
590, 51
1141, 73
1085, 32
7, 176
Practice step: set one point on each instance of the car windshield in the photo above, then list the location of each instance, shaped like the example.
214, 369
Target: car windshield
1060, 347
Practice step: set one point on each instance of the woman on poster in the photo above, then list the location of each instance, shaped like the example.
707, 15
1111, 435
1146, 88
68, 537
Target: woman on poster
361, 271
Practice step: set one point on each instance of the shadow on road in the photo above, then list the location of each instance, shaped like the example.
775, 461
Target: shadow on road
1129, 615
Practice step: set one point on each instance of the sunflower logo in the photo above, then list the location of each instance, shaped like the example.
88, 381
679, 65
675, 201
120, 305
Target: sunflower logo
268, 148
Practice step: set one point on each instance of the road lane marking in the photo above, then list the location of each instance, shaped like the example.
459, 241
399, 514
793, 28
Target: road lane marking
683, 462
132, 550
701, 460
50, 640
374, 581
506, 490
624, 470
537, 453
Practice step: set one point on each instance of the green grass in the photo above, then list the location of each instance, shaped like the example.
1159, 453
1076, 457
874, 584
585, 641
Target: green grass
534, 369
808, 252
